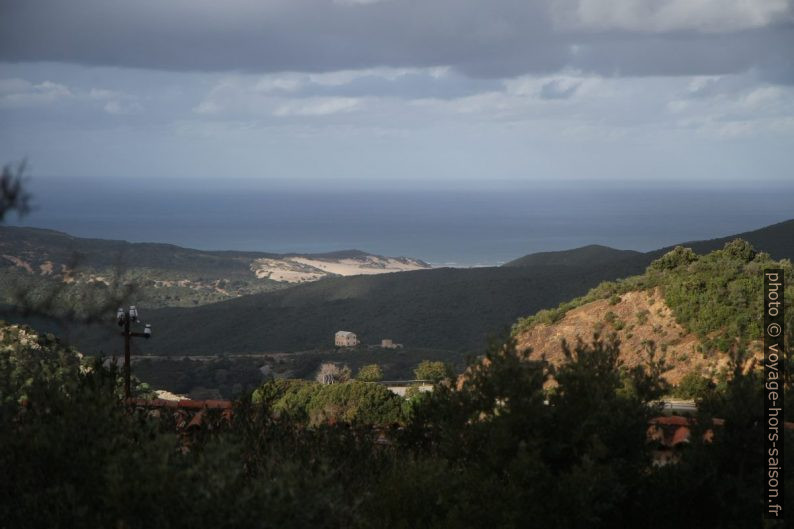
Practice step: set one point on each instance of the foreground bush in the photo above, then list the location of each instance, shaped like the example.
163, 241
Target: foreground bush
500, 451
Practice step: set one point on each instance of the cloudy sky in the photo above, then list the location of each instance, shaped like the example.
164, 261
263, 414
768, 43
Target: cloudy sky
400, 90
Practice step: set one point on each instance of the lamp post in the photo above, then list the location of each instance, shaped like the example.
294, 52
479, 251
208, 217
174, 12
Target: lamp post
124, 319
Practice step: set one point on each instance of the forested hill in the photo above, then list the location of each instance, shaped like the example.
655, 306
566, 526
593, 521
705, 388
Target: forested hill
442, 308
38, 246
586, 255
169, 275
696, 309
777, 240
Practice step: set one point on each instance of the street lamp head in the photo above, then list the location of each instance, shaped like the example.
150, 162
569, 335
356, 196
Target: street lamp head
133, 313
147, 331
120, 316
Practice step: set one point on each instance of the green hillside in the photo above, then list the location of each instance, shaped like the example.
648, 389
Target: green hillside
592, 254
441, 308
452, 309
717, 296
777, 240
41, 245
164, 274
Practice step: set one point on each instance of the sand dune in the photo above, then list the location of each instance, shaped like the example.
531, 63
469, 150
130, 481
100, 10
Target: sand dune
304, 269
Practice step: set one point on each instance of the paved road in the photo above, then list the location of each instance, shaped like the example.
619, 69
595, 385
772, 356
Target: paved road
680, 406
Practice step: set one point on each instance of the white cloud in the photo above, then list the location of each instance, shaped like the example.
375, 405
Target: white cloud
121, 107
765, 97
114, 102
321, 106
296, 94
726, 107
18, 93
670, 15
282, 83
344, 77
102, 94
563, 86
22, 93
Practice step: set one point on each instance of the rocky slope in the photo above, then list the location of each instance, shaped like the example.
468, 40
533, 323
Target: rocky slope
641, 320
695, 311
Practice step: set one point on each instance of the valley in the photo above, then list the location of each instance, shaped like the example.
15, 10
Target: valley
439, 314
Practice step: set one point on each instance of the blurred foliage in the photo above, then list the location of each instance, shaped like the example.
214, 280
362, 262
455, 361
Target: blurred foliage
499, 450
155, 287
13, 193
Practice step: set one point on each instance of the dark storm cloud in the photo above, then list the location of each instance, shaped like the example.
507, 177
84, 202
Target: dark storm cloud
496, 38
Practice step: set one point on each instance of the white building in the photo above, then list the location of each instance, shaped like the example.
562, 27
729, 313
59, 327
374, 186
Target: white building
345, 339
389, 344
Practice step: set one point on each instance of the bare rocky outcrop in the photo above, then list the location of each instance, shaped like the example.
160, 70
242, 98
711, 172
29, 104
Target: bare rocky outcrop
640, 319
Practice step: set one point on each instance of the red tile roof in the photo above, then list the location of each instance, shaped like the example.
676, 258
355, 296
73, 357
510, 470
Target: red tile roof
189, 414
185, 404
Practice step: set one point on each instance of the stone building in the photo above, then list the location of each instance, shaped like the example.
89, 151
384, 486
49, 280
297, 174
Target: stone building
345, 339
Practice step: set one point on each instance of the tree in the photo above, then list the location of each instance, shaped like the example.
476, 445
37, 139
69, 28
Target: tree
370, 373
56, 302
13, 196
433, 371
693, 386
330, 373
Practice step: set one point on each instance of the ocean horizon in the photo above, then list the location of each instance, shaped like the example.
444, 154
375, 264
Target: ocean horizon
444, 227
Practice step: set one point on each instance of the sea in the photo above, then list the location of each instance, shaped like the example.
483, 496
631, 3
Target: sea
443, 225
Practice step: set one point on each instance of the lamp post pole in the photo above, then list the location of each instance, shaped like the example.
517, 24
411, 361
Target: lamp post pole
124, 319
127, 357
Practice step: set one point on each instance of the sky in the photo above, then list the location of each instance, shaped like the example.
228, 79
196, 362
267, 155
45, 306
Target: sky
400, 92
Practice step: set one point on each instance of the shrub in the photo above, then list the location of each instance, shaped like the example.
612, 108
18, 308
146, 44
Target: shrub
314, 403
693, 386
433, 371
675, 258
370, 373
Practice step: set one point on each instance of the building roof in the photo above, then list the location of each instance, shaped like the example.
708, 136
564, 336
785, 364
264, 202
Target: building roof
667, 432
